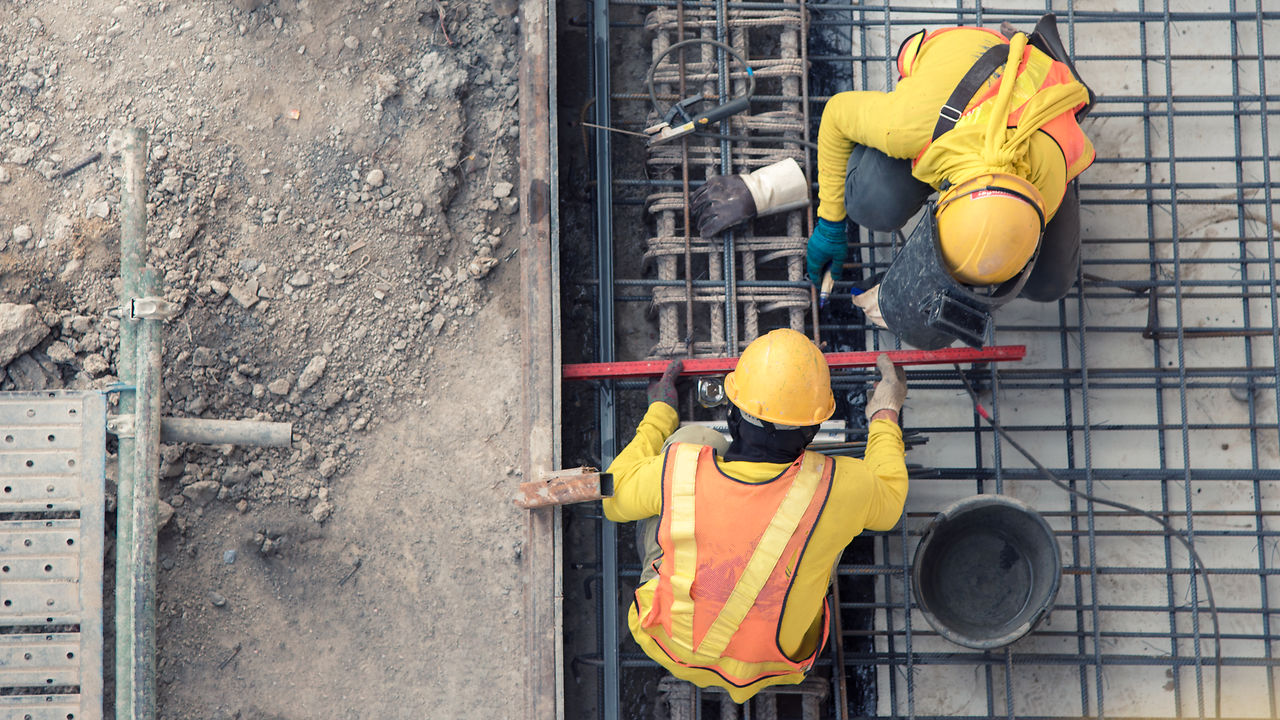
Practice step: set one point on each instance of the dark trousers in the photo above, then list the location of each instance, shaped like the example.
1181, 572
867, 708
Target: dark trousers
881, 194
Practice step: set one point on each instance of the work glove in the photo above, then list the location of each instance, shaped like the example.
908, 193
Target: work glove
869, 303
664, 388
890, 391
726, 200
827, 246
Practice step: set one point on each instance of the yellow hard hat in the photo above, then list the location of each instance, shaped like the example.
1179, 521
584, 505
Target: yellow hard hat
783, 378
989, 227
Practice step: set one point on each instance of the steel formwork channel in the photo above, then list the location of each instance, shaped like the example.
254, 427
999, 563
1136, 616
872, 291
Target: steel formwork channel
1155, 382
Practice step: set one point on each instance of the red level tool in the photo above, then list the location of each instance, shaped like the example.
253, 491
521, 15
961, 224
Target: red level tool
836, 361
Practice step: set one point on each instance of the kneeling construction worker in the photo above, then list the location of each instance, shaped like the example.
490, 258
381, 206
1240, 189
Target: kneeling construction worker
739, 539
992, 124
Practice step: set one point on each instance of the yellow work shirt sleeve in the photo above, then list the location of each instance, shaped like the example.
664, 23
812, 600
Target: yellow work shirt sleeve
896, 123
637, 470
886, 461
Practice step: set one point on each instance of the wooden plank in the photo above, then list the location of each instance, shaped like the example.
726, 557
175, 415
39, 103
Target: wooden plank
541, 342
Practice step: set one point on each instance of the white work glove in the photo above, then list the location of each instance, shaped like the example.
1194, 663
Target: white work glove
726, 200
891, 391
869, 303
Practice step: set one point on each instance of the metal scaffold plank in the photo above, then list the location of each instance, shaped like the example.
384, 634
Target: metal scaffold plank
52, 466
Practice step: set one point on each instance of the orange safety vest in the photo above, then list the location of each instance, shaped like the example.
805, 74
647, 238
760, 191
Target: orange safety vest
729, 552
1036, 72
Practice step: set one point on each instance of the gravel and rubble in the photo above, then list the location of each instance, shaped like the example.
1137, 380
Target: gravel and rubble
330, 195
312, 246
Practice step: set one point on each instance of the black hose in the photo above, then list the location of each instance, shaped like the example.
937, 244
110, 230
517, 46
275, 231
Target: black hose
1186, 541
653, 94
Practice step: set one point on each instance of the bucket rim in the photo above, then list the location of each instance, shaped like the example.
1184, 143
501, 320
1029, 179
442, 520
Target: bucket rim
958, 509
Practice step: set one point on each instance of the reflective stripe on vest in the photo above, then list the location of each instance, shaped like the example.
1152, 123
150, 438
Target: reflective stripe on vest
695, 617
1036, 72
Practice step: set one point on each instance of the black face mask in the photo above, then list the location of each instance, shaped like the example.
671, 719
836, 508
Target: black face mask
753, 443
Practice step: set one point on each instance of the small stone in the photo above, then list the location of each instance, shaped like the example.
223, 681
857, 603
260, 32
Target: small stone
279, 386
30, 81
95, 364
197, 405
21, 155
246, 293
170, 184
4, 176
99, 209
20, 330
437, 323
217, 599
164, 514
481, 265
351, 41
22, 233
327, 468
242, 506
502, 189
60, 352
375, 178
202, 492
322, 511
509, 205
218, 287
300, 279
414, 210
312, 372
81, 324
386, 86
229, 556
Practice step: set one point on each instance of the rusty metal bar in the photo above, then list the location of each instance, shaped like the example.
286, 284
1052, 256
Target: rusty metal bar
562, 487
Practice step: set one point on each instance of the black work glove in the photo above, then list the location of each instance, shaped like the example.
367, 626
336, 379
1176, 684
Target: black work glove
722, 202
664, 388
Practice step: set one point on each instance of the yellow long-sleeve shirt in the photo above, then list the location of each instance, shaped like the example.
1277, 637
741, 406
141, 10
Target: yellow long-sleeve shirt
865, 494
900, 123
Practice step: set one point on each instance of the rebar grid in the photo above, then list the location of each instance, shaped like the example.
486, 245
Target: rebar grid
1154, 382
722, 322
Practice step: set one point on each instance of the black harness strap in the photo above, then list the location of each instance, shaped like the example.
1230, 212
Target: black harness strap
995, 56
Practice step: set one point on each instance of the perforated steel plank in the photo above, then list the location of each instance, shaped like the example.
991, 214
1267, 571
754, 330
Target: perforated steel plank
52, 463
44, 707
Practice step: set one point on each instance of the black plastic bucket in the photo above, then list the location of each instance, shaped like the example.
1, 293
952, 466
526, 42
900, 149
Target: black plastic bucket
986, 571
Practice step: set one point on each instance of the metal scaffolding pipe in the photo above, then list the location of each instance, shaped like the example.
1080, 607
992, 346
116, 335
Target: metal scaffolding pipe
138, 457
225, 432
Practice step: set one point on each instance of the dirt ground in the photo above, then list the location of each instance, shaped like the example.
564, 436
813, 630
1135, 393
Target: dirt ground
331, 203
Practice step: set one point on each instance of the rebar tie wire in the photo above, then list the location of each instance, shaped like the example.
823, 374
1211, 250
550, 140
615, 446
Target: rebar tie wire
1182, 537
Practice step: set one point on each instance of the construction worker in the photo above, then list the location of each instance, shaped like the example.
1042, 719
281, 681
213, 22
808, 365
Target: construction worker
991, 123
739, 539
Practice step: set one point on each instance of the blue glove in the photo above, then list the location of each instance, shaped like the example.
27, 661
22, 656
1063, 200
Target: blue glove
827, 246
